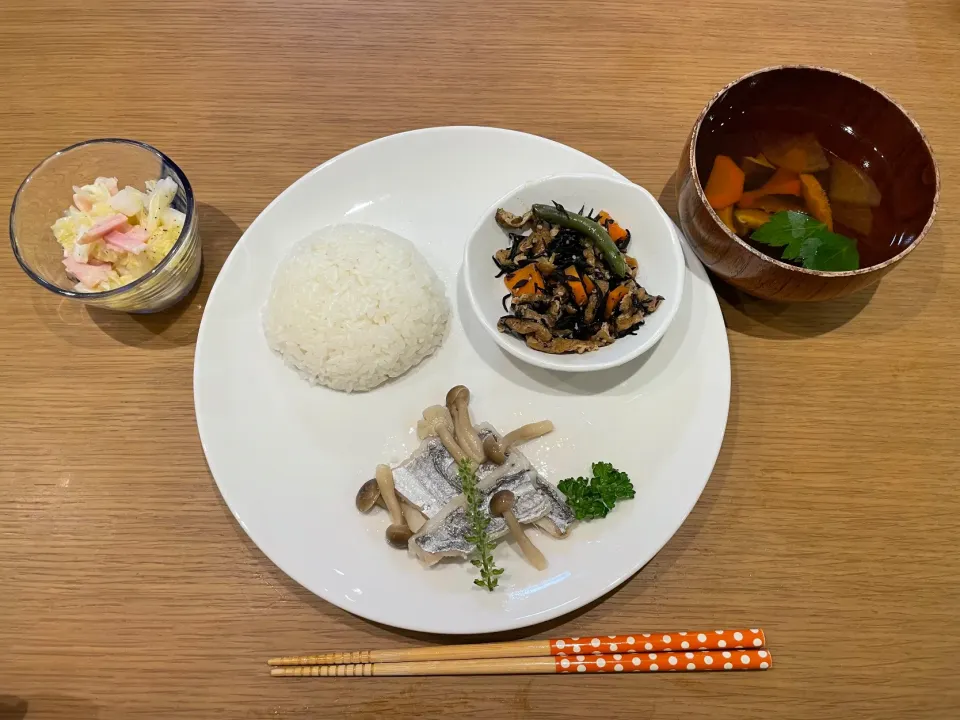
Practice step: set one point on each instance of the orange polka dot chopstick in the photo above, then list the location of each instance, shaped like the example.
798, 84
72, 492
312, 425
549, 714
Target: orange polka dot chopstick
640, 642
690, 661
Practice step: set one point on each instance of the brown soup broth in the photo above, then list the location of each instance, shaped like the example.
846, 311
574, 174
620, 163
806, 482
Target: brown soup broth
739, 136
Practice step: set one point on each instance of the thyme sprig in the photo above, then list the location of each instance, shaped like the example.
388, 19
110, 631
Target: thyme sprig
479, 520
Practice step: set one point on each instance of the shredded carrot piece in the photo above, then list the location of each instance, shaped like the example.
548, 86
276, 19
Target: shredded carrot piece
576, 287
783, 182
816, 200
615, 232
613, 299
525, 281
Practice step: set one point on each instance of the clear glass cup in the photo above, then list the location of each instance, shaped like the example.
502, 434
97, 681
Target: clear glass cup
48, 192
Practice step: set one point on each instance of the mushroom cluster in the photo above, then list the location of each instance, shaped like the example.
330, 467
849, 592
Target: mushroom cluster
451, 423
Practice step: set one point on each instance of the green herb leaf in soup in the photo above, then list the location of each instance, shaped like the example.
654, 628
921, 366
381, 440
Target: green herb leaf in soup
808, 241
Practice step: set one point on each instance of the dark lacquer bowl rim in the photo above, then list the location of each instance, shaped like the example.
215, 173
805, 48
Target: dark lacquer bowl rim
133, 284
692, 160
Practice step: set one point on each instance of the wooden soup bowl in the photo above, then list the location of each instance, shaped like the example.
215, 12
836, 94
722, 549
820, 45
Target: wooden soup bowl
840, 110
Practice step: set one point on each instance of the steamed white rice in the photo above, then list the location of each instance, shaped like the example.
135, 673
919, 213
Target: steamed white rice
352, 306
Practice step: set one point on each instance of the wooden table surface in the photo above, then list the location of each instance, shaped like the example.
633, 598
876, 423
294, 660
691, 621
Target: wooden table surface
831, 519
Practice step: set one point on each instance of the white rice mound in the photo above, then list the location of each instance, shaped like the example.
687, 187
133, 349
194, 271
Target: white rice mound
352, 306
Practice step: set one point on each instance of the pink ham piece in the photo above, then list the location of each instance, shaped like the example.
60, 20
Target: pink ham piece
133, 240
110, 183
140, 234
114, 222
89, 275
82, 202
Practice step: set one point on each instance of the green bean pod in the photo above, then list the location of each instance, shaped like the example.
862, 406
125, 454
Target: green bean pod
596, 233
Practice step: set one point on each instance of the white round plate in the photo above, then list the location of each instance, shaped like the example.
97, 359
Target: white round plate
289, 458
654, 245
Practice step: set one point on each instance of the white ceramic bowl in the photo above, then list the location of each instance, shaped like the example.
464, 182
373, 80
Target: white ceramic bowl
653, 244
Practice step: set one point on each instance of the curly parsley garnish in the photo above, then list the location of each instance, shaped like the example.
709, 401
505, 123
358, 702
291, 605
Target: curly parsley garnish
479, 519
595, 498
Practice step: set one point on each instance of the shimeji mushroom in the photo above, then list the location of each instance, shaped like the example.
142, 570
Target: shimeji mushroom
458, 400
501, 504
369, 495
398, 534
438, 421
496, 451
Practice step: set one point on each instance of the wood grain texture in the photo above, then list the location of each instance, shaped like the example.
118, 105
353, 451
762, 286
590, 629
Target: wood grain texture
831, 520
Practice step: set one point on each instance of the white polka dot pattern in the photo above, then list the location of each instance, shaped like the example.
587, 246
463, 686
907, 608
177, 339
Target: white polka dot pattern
703, 660
659, 642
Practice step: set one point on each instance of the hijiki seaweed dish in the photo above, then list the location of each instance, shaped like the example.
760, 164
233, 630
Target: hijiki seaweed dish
572, 287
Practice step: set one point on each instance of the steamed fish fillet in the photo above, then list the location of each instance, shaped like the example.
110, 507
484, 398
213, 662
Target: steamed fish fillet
428, 479
537, 501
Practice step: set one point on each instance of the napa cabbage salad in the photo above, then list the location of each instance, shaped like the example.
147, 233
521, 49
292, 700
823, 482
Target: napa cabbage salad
112, 236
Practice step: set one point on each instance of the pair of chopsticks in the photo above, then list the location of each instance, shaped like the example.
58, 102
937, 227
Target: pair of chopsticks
690, 651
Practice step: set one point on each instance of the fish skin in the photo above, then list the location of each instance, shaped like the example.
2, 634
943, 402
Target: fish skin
428, 479
537, 501
424, 479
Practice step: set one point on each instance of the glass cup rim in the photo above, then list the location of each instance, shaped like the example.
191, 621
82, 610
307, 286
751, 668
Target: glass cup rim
184, 233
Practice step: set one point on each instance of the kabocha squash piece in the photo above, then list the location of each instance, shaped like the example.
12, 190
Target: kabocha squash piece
816, 200
750, 219
799, 153
849, 184
756, 170
725, 184
525, 281
726, 217
855, 217
775, 203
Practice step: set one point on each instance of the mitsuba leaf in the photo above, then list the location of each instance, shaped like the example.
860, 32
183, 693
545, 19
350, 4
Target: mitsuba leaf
806, 240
